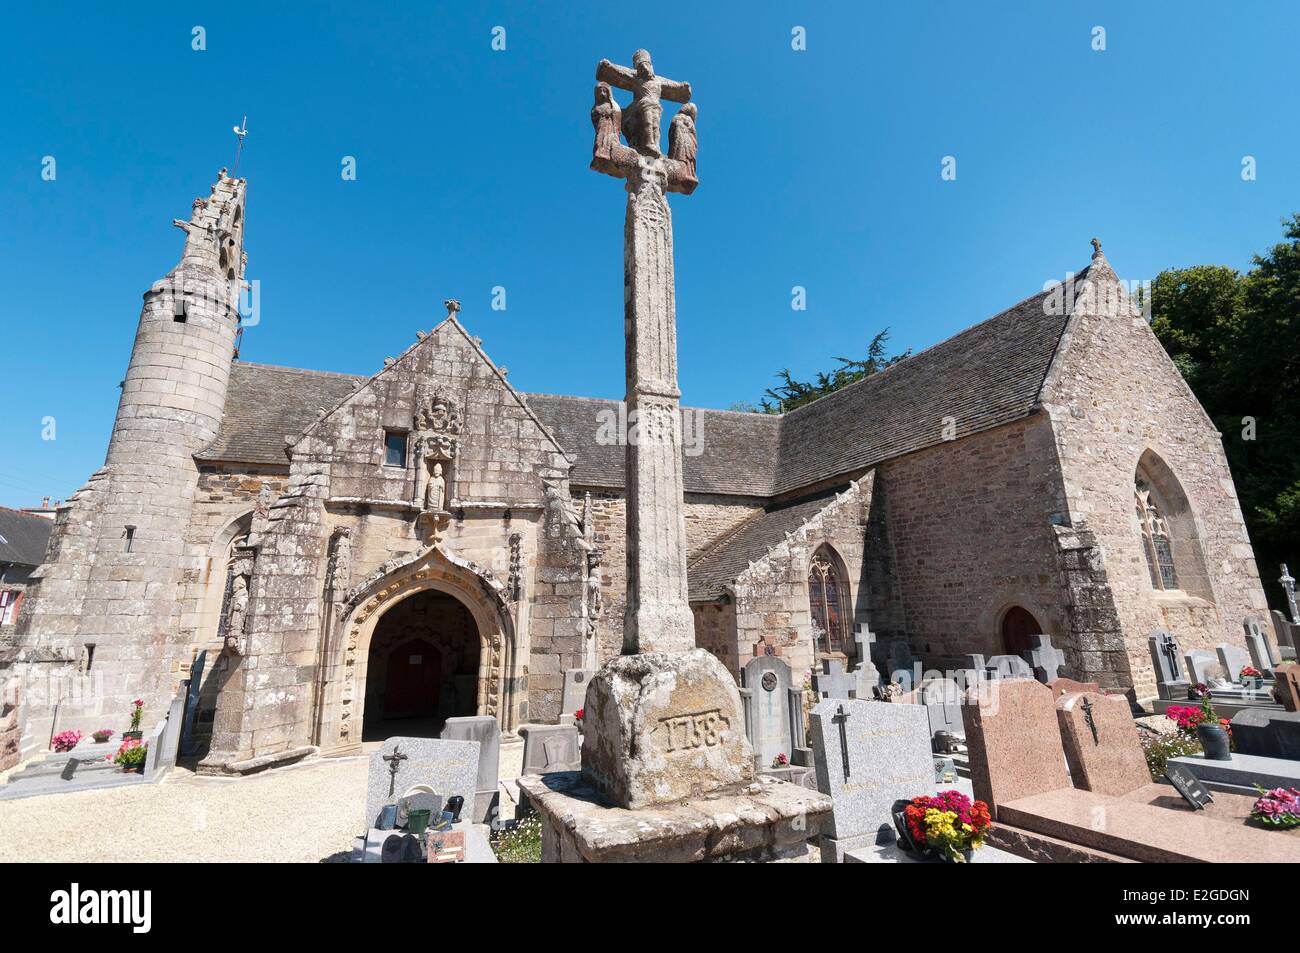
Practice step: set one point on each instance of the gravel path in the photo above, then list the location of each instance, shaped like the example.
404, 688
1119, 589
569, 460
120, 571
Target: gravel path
302, 813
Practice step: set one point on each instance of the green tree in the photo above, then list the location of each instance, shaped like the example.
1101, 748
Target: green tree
1236, 339
791, 393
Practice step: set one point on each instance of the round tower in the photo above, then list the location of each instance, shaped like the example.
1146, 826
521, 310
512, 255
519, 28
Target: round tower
175, 387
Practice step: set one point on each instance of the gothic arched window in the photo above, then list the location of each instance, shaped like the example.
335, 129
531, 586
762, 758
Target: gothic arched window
1156, 546
828, 598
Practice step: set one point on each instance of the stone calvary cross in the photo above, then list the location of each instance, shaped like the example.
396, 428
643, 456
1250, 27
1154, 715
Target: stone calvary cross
658, 617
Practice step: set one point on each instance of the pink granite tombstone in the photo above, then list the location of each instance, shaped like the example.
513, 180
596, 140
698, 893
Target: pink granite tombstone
1068, 686
1012, 740
1101, 743
1288, 685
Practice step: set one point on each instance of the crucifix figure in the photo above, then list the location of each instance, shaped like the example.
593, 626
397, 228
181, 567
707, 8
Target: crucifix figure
394, 765
1169, 649
641, 121
658, 617
1289, 585
841, 718
1087, 716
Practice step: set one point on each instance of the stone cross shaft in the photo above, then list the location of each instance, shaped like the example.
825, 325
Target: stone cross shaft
658, 617
1289, 585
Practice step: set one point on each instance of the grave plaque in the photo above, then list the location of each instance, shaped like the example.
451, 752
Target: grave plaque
1101, 743
1232, 659
1189, 786
1170, 683
405, 765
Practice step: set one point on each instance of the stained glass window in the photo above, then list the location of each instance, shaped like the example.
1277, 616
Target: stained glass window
1155, 539
828, 597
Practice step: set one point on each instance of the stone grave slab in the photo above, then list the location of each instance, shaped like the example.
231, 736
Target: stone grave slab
1101, 743
766, 681
1284, 632
551, 748
1171, 681
1288, 685
1258, 648
1203, 667
869, 754
942, 699
574, 696
1271, 734
1232, 659
485, 730
1068, 686
445, 768
1008, 666
1245, 771
1013, 741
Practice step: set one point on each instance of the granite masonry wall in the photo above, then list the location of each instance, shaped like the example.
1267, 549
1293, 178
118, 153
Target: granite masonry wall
1116, 400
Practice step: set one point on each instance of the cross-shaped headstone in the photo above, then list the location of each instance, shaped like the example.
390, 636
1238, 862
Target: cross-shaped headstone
394, 765
866, 673
841, 719
1045, 658
1289, 585
833, 682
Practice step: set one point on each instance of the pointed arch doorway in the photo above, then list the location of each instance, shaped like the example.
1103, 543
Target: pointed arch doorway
423, 665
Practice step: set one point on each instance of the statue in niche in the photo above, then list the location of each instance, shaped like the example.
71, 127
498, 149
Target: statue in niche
594, 601
340, 561
435, 493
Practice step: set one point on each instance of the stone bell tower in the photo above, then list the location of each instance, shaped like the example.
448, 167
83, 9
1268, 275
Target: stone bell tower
104, 615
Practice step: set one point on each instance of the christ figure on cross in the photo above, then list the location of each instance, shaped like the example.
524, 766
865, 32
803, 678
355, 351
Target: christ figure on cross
641, 122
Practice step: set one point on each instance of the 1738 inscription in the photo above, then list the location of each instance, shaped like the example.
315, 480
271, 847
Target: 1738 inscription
699, 730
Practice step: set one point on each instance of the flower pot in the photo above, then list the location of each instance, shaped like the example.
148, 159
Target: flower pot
1252, 682
132, 734
1214, 741
417, 821
966, 855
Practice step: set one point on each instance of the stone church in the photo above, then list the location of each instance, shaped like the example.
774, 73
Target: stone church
358, 554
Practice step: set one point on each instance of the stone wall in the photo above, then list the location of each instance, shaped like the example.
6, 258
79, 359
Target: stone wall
1115, 398
707, 517
970, 524
505, 480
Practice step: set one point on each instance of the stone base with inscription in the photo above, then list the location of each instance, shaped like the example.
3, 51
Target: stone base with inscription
660, 727
762, 821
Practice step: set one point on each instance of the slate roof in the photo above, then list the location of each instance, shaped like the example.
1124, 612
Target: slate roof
23, 537
736, 449
730, 556
265, 403
986, 376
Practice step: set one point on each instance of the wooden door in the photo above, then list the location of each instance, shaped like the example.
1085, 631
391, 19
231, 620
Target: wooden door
1017, 626
414, 678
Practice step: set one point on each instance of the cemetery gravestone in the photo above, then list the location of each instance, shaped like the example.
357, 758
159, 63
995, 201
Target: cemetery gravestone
1288, 685
869, 755
767, 684
900, 664
551, 748
942, 699
1232, 660
1261, 653
833, 682
575, 689
1285, 635
1044, 658
1203, 667
404, 764
484, 730
193, 684
1269, 734
1013, 741
1170, 683
1008, 666
1101, 743
867, 674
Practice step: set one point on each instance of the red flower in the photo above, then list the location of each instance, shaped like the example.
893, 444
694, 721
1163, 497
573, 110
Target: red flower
579, 713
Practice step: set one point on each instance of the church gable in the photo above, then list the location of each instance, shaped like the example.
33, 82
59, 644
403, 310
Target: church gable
442, 390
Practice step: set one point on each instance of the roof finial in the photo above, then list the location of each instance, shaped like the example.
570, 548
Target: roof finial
452, 306
1096, 248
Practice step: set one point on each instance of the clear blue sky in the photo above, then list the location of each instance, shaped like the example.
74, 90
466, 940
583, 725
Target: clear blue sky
818, 168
